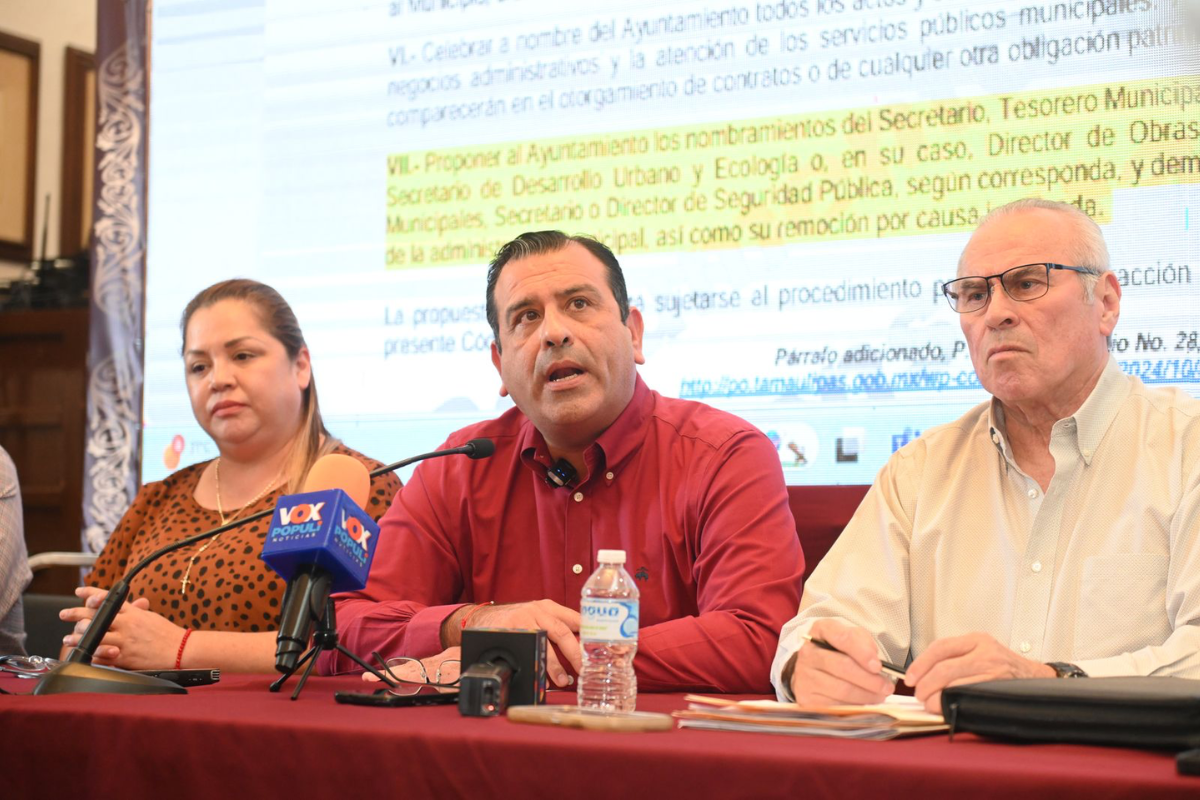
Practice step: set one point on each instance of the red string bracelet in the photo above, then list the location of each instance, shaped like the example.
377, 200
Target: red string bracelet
182, 643
471, 613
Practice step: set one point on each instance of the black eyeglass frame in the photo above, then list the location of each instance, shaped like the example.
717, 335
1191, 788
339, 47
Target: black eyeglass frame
987, 279
402, 687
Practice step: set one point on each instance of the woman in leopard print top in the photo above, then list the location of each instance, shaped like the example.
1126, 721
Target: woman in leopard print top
216, 604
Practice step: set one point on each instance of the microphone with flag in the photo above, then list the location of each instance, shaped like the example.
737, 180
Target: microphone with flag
303, 530
320, 541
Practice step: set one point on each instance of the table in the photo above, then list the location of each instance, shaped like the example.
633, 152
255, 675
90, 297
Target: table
237, 736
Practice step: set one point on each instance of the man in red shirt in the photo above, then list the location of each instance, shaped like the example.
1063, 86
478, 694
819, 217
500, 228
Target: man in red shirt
693, 495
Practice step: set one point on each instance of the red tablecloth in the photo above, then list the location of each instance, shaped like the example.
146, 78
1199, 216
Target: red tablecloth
236, 736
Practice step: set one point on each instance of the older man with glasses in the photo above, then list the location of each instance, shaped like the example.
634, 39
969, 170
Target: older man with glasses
1052, 531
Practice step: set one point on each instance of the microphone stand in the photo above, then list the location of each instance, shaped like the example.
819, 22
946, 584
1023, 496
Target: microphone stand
78, 674
324, 638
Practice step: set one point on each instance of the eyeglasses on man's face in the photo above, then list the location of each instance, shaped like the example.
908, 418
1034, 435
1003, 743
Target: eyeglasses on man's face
1024, 283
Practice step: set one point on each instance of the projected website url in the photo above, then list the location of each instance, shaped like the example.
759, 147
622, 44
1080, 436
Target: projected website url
878, 382
1161, 371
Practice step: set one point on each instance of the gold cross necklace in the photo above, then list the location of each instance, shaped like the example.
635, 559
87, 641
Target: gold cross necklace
183, 584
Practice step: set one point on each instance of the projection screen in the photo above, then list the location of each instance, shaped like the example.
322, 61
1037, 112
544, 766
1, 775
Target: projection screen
786, 184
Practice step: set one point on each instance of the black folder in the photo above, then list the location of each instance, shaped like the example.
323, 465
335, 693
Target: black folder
1146, 712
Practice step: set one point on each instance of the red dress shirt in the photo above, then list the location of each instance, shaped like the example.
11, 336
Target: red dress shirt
693, 495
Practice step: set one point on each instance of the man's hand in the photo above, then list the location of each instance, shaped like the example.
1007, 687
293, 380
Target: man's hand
822, 678
560, 623
138, 638
966, 659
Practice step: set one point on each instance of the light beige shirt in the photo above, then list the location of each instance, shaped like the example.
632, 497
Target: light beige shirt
1102, 570
14, 566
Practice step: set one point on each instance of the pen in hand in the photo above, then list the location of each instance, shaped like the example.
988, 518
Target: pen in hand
887, 667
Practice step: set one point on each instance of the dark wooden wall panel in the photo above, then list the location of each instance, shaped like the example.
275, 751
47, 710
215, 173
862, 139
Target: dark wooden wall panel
43, 394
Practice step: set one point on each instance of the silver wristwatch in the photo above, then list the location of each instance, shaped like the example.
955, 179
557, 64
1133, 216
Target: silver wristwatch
1064, 670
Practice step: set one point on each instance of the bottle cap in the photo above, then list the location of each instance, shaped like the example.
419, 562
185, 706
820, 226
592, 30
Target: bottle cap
611, 556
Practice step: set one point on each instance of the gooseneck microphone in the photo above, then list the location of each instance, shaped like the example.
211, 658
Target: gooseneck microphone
77, 674
474, 449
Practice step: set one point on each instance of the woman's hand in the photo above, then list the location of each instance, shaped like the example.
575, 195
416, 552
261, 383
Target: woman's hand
138, 638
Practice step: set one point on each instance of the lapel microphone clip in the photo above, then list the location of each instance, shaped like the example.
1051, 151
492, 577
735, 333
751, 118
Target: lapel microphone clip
561, 474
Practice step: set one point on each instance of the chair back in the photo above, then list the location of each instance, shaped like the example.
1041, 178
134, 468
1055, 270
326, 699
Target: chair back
821, 513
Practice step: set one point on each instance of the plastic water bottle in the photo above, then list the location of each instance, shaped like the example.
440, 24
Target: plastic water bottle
608, 631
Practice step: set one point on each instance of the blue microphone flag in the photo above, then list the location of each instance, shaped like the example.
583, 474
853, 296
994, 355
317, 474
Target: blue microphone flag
325, 528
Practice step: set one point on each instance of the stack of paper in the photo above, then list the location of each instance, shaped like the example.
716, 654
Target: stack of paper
896, 716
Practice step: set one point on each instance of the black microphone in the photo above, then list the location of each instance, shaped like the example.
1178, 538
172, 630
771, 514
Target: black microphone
314, 570
320, 541
474, 449
77, 674
83, 652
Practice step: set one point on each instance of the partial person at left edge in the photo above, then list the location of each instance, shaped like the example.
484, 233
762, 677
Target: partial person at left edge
216, 604
14, 563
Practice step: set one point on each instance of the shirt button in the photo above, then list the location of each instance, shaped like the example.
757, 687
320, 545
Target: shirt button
578, 568
1032, 494
1025, 648
1086, 453
608, 475
995, 438
1036, 566
579, 497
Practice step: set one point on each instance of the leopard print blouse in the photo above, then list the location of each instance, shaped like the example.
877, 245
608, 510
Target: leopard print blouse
230, 588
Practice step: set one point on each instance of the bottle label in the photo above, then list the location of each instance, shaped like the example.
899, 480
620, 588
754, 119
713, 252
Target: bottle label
608, 619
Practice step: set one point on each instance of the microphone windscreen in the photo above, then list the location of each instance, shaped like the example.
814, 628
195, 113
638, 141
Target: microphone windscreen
338, 471
482, 448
